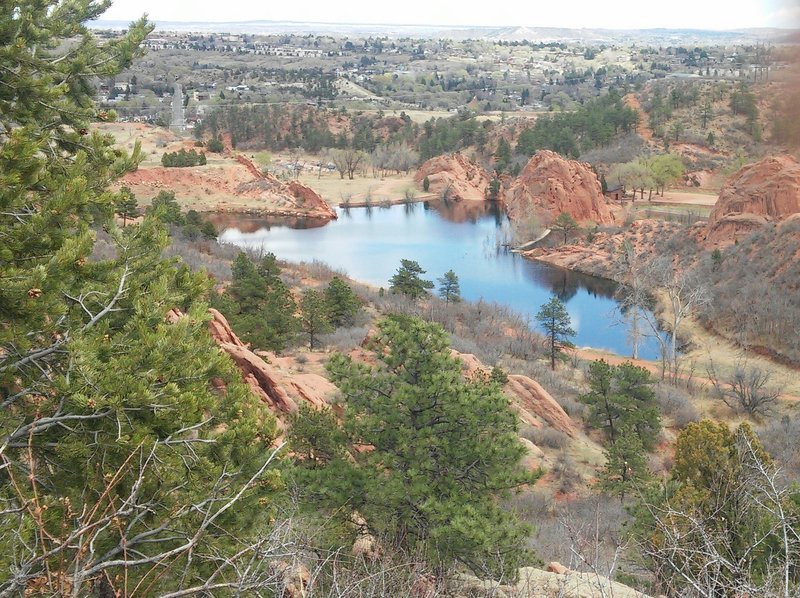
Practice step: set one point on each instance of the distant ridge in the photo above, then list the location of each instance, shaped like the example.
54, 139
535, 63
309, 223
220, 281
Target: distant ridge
510, 33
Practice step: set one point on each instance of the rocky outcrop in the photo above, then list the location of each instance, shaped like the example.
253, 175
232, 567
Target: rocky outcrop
298, 196
229, 185
536, 583
556, 567
458, 177
550, 184
766, 191
535, 405
281, 393
529, 399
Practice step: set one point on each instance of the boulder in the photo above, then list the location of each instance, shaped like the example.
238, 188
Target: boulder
550, 184
556, 567
765, 191
534, 405
458, 176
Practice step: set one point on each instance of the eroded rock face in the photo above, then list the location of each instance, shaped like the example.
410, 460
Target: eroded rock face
766, 191
295, 196
535, 405
281, 393
458, 176
550, 184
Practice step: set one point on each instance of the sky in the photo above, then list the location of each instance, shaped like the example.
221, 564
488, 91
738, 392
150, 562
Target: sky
611, 14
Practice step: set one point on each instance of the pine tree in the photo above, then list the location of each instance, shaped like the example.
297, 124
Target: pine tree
407, 281
258, 304
117, 452
126, 206
342, 303
166, 208
449, 289
626, 464
313, 316
555, 321
445, 449
622, 397
564, 223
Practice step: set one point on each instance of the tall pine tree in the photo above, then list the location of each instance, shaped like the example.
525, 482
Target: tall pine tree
117, 454
444, 450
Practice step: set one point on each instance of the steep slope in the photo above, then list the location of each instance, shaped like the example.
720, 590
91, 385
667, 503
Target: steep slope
766, 191
550, 184
458, 176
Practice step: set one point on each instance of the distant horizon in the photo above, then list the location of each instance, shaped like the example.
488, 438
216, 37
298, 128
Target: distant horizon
156, 22
710, 15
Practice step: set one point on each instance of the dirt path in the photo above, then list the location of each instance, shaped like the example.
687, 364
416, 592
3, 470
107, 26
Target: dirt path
686, 197
631, 101
710, 349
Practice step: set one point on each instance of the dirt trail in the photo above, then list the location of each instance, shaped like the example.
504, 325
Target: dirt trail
709, 348
642, 129
686, 197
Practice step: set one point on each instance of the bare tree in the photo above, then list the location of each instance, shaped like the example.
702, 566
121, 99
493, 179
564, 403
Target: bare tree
594, 549
347, 161
683, 292
632, 295
748, 388
700, 554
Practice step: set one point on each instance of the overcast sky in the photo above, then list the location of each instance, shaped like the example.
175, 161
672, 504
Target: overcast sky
616, 14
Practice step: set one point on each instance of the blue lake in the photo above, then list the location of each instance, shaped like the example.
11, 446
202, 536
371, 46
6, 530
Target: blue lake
368, 244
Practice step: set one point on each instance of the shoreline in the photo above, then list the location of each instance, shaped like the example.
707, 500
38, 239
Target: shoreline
706, 346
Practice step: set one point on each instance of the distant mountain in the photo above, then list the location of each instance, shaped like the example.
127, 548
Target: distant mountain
511, 33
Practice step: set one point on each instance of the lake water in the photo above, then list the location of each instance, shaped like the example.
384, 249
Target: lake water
368, 244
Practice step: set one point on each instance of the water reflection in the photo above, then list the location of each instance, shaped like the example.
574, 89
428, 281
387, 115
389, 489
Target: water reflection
368, 244
246, 223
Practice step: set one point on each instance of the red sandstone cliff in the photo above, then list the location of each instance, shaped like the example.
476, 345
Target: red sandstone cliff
766, 191
550, 184
282, 393
458, 176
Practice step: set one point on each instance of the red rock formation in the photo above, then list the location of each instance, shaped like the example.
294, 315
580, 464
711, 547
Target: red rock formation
457, 175
556, 567
766, 191
533, 403
550, 184
301, 197
281, 393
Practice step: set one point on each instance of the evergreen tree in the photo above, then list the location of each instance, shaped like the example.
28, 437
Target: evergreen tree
117, 452
449, 289
444, 450
564, 223
313, 316
407, 281
722, 522
626, 464
126, 206
555, 321
622, 397
503, 155
165, 207
258, 304
342, 303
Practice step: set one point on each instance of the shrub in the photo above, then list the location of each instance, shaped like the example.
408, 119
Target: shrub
545, 437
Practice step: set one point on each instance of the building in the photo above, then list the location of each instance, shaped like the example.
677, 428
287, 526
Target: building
615, 191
